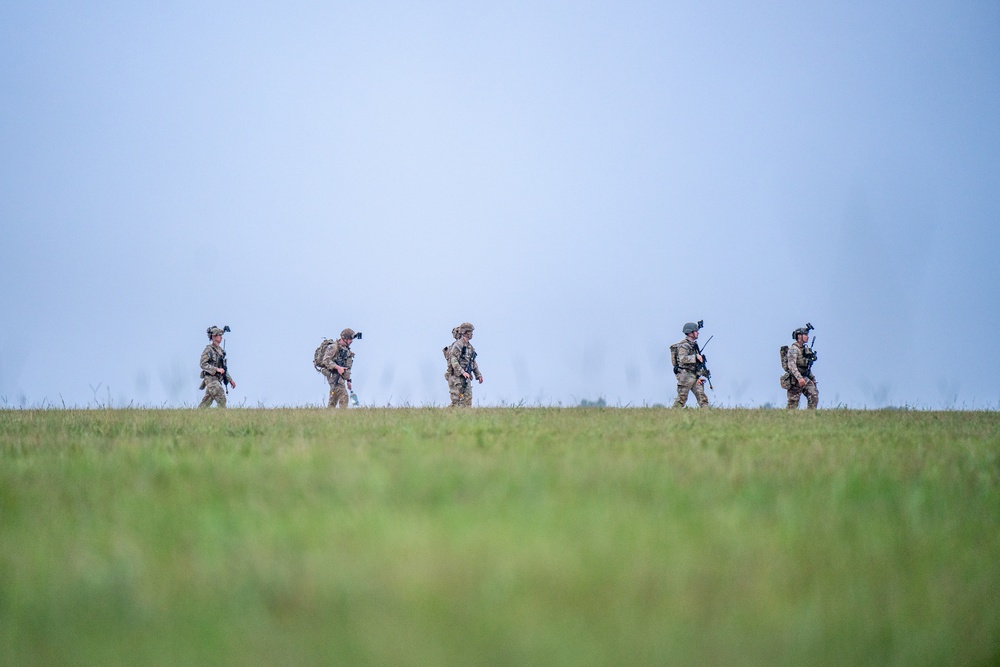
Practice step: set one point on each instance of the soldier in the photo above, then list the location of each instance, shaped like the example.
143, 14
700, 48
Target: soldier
688, 365
214, 370
798, 378
337, 361
462, 366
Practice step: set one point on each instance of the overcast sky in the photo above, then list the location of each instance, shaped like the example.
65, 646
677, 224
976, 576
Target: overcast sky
578, 179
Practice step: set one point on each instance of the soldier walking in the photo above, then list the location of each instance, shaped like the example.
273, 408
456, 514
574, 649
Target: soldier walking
797, 360
214, 370
462, 366
689, 365
337, 362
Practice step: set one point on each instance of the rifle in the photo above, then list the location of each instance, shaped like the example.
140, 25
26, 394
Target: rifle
339, 360
223, 363
700, 367
472, 358
468, 369
811, 355
225, 368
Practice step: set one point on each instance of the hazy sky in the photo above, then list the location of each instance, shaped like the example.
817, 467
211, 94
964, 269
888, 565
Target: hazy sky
578, 179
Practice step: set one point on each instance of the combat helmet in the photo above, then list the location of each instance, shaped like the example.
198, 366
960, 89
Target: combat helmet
461, 329
347, 334
691, 327
802, 330
216, 331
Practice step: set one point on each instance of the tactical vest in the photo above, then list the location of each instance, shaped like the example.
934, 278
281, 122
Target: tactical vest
216, 359
803, 362
464, 357
675, 355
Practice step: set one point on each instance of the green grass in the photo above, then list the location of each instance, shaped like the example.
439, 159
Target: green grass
499, 537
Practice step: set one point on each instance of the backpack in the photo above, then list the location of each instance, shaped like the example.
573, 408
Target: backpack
320, 353
447, 357
673, 357
784, 358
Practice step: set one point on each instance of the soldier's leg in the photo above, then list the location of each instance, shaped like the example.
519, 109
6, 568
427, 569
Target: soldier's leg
206, 400
812, 395
684, 383
339, 397
331, 401
212, 391
466, 396
794, 392
699, 393
455, 390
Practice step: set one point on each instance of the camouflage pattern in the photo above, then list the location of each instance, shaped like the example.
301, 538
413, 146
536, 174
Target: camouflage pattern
687, 376
459, 390
212, 382
458, 355
338, 395
688, 382
214, 391
798, 367
340, 355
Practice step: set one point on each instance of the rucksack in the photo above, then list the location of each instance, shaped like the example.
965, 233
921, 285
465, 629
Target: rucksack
673, 357
320, 353
447, 355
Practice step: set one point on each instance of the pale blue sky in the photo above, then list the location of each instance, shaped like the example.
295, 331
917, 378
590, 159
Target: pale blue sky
577, 179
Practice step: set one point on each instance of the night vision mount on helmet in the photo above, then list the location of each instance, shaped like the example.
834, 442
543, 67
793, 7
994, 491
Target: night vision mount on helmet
691, 327
802, 330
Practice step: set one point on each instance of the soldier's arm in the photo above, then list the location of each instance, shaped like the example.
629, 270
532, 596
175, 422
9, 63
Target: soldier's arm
793, 362
206, 362
327, 361
685, 355
455, 358
475, 370
347, 367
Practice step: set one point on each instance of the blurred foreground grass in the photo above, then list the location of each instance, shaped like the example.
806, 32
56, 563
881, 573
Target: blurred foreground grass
503, 537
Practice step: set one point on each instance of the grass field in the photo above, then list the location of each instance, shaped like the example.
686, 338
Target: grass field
499, 537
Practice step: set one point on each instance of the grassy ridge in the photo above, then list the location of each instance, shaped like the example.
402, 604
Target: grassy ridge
507, 536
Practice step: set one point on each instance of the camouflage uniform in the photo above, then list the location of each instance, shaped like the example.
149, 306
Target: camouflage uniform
212, 359
340, 354
687, 374
798, 367
459, 355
